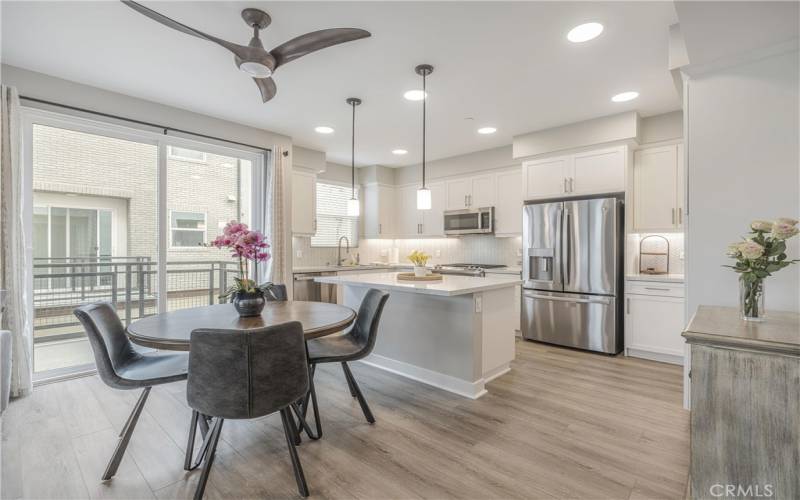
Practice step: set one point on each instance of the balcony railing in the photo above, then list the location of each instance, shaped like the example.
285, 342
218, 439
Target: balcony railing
61, 284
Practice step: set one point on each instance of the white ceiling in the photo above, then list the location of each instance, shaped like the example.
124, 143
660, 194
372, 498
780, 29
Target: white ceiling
507, 65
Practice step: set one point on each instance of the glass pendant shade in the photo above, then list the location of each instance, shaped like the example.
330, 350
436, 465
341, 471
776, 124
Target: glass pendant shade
423, 199
353, 207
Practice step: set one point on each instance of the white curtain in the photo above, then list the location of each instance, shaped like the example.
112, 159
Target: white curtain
274, 217
14, 263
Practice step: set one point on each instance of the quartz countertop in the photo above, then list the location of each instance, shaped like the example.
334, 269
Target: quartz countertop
449, 286
722, 326
360, 267
663, 278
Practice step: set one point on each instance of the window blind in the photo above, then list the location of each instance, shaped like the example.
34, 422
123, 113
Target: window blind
332, 219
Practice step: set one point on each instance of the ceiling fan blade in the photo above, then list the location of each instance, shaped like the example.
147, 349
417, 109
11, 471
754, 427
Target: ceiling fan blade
316, 40
239, 50
267, 88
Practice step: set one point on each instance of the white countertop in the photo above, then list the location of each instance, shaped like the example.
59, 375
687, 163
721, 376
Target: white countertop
449, 286
360, 267
663, 278
505, 270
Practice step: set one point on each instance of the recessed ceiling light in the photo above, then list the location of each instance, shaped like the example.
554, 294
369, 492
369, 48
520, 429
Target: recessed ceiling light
584, 32
323, 130
625, 96
415, 95
399, 151
487, 130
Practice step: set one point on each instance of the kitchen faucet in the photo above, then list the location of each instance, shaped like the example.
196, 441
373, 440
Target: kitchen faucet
339, 260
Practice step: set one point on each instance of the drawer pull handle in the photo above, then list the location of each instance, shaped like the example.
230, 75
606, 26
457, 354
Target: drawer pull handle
657, 289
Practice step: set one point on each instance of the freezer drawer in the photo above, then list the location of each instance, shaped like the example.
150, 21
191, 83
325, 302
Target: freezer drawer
583, 321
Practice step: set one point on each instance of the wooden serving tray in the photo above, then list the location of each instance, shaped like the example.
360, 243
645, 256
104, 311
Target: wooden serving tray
413, 277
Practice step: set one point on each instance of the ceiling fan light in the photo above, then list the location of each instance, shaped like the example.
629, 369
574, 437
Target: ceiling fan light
423, 199
256, 69
353, 207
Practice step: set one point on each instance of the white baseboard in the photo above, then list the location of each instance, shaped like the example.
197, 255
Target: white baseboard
654, 355
472, 390
497, 372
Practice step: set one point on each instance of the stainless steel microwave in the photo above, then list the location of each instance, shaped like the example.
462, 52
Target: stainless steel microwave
469, 221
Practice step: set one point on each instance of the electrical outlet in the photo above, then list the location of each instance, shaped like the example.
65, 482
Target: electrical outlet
299, 254
438, 253
519, 252
384, 252
682, 255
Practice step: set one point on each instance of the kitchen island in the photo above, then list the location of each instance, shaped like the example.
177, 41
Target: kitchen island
456, 334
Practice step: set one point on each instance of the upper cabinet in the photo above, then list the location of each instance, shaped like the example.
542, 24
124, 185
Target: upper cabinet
304, 203
411, 222
508, 210
379, 211
592, 172
470, 192
658, 189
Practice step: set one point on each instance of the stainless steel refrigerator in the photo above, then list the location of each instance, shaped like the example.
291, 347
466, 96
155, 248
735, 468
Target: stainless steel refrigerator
572, 273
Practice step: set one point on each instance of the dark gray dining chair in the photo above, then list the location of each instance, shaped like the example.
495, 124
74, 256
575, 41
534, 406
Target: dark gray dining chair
245, 374
277, 293
121, 366
355, 344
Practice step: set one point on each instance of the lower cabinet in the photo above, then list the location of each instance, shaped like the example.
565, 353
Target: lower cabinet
654, 321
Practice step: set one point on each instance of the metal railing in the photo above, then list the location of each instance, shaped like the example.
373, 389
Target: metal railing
61, 284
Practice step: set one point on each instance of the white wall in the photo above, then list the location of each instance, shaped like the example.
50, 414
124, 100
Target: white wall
743, 164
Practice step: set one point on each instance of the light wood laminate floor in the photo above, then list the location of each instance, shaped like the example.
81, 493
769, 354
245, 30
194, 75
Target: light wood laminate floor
562, 424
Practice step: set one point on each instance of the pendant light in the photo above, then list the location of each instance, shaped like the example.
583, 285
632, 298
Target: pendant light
423, 193
353, 208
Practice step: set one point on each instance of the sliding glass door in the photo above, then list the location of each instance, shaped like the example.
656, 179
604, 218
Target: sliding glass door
118, 215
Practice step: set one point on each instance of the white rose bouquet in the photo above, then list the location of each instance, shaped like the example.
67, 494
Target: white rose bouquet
762, 253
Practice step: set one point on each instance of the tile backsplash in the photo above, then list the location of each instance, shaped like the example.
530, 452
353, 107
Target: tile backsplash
470, 249
676, 262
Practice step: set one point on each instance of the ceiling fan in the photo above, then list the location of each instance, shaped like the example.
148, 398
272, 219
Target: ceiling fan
253, 59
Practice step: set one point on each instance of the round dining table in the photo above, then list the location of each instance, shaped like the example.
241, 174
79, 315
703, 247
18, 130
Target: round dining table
172, 330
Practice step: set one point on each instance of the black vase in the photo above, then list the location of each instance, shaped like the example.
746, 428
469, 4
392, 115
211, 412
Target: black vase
249, 304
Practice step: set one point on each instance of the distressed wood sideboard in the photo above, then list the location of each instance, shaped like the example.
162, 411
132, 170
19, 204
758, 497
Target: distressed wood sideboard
745, 396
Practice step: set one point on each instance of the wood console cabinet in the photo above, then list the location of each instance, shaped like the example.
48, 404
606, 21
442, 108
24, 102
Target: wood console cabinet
745, 414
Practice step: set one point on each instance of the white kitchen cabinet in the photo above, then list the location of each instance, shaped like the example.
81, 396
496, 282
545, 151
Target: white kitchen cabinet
508, 208
591, 172
546, 178
433, 219
413, 223
304, 203
407, 217
379, 211
470, 192
658, 189
654, 320
597, 172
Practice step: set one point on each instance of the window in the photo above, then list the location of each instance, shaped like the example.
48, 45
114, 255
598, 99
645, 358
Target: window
184, 154
332, 219
188, 229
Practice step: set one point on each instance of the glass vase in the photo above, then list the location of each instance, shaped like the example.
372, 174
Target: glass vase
751, 300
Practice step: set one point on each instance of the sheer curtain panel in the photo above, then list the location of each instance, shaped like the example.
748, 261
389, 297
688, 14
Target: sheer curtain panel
14, 260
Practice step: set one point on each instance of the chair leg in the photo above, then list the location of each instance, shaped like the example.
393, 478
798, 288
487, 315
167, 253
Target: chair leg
125, 436
349, 384
209, 458
363, 402
187, 463
302, 487
312, 397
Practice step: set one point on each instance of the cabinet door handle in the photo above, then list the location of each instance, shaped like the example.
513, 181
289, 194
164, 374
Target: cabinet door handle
380, 228
627, 305
571, 184
673, 216
565, 185
680, 215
